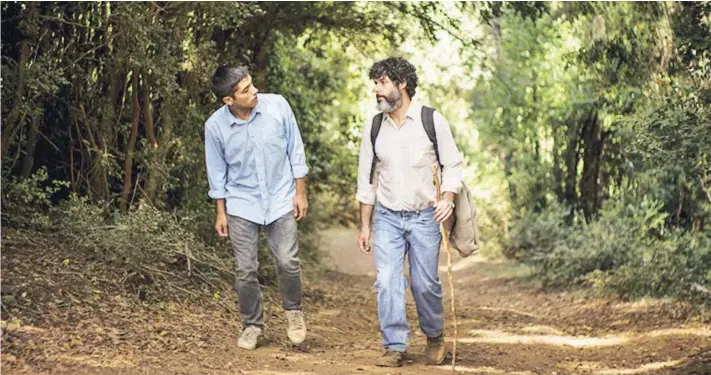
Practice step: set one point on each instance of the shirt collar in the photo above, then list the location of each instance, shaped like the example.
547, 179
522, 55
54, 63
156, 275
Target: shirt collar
413, 112
233, 120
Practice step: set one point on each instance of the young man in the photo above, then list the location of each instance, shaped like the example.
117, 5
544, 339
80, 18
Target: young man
257, 172
402, 194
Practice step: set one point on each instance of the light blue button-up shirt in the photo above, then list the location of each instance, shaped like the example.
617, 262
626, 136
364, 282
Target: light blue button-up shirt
253, 163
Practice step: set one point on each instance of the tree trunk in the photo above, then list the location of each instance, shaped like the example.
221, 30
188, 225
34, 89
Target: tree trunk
29, 159
148, 112
105, 137
571, 158
131, 145
557, 167
154, 173
508, 171
70, 148
13, 123
592, 154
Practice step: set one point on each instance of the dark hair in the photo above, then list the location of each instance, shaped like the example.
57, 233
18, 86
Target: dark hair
398, 70
225, 78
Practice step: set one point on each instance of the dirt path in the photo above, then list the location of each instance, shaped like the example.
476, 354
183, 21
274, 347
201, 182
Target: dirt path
506, 327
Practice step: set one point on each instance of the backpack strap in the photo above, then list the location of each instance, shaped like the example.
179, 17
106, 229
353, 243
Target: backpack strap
377, 122
428, 123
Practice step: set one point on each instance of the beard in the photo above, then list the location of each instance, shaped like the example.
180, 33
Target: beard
389, 102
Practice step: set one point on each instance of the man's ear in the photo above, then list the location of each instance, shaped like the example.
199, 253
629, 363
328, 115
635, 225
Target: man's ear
227, 100
401, 86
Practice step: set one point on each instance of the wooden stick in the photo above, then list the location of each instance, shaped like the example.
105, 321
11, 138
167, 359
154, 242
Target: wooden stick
450, 276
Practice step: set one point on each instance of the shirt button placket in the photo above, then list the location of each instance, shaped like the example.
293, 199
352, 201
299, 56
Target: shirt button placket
262, 184
261, 176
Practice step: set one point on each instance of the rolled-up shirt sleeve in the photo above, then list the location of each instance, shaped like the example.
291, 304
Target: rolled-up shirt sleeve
366, 191
295, 145
449, 156
215, 164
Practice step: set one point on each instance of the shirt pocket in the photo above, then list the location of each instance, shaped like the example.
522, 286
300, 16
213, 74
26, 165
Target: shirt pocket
274, 136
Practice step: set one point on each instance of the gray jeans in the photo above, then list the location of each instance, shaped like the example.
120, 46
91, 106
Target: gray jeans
283, 243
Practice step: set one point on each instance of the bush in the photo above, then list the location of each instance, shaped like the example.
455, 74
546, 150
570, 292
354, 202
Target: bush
674, 266
627, 250
26, 202
144, 238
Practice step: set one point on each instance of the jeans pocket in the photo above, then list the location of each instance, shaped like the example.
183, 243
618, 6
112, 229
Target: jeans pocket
379, 209
428, 223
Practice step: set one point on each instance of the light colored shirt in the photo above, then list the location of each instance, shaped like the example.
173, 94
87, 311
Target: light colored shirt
403, 178
253, 163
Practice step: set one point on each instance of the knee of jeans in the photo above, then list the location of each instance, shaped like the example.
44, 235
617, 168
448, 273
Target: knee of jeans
387, 280
248, 273
424, 286
289, 265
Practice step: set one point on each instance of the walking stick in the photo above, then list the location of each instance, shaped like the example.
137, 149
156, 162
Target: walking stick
450, 277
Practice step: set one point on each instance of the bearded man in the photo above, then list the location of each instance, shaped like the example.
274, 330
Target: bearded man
395, 183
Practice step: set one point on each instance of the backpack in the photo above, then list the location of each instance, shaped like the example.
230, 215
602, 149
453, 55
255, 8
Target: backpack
463, 225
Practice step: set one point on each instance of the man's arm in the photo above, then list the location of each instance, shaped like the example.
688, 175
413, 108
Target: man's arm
217, 177
221, 219
451, 167
301, 202
295, 145
366, 193
366, 215
297, 159
221, 208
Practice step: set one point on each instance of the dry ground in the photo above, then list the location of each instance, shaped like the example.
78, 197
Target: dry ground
69, 319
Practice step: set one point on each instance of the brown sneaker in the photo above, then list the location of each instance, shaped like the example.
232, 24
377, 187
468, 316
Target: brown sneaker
390, 358
436, 350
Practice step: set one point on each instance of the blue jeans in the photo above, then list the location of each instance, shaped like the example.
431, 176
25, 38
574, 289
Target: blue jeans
415, 233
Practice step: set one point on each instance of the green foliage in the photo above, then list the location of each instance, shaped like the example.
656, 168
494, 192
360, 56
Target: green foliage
143, 240
678, 128
85, 110
674, 265
598, 116
627, 250
26, 202
584, 126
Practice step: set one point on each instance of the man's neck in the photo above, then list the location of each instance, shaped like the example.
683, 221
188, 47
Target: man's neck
399, 115
240, 113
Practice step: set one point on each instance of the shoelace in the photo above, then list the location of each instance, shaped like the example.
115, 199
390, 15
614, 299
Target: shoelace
251, 333
296, 318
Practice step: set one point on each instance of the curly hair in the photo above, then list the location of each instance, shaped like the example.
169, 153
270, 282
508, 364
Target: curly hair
398, 70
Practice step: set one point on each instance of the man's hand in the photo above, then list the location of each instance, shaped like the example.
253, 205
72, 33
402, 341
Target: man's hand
445, 207
364, 241
301, 206
221, 225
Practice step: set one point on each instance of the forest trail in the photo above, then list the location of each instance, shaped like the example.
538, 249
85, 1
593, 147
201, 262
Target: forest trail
507, 326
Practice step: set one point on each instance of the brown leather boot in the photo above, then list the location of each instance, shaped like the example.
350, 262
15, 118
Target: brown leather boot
390, 358
436, 350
